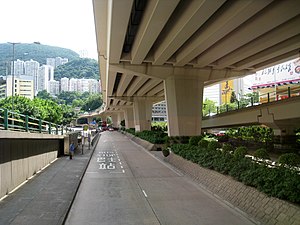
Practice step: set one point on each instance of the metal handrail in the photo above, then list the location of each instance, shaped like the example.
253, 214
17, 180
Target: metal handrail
10, 120
264, 98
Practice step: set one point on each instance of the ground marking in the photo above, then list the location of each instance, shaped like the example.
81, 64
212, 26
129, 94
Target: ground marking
145, 193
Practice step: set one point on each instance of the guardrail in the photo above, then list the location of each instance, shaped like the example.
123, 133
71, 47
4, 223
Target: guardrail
264, 98
10, 120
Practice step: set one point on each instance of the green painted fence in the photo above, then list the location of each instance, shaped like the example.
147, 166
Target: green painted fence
10, 120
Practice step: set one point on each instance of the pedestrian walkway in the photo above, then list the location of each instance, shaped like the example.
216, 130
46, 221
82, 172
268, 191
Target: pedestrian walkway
46, 198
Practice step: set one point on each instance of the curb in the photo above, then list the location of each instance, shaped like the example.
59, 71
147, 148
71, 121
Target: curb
81, 177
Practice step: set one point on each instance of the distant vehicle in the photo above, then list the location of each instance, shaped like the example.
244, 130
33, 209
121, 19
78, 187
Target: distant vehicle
77, 128
104, 126
221, 133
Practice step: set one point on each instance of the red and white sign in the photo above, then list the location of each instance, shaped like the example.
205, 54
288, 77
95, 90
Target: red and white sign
281, 73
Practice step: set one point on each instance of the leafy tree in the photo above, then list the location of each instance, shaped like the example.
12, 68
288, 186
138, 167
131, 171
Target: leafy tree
233, 98
209, 106
68, 114
69, 96
77, 103
44, 95
254, 96
93, 102
20, 105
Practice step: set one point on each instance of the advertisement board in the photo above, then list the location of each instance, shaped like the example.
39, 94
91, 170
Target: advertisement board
284, 72
226, 90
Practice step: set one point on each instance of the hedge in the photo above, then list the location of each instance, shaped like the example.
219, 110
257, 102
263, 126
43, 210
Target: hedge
280, 182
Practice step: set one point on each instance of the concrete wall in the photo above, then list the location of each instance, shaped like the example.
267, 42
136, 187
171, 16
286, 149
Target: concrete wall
23, 154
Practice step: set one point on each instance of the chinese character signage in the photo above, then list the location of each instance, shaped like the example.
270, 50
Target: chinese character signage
226, 90
284, 72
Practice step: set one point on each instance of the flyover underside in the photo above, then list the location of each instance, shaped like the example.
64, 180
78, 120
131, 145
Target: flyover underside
142, 44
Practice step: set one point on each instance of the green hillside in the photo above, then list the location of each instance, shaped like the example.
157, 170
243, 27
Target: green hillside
78, 68
36, 52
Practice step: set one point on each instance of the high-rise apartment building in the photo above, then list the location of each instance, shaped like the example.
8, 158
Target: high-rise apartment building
50, 62
93, 86
212, 93
2, 87
73, 86
159, 111
43, 77
60, 61
53, 88
83, 85
55, 62
31, 68
64, 84
18, 67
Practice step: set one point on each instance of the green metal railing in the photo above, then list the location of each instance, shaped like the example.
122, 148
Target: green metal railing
264, 98
10, 120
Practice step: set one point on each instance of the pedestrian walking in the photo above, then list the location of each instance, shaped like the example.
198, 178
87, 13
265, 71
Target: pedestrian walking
71, 150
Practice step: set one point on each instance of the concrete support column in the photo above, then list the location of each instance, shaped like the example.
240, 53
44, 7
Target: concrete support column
129, 118
184, 97
120, 117
114, 118
104, 117
142, 109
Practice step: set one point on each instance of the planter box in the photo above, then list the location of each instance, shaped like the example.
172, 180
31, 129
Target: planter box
267, 210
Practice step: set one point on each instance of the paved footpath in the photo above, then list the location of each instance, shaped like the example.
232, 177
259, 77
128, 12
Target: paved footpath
126, 185
46, 198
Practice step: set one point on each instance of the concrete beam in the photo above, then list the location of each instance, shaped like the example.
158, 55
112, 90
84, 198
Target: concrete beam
271, 17
118, 16
185, 22
283, 32
221, 24
155, 17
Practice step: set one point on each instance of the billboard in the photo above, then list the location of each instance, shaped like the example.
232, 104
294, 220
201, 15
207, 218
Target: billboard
281, 73
226, 90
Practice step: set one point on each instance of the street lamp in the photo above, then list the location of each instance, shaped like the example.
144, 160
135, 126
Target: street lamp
13, 74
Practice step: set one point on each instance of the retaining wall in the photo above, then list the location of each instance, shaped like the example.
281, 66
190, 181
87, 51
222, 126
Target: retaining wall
23, 154
267, 210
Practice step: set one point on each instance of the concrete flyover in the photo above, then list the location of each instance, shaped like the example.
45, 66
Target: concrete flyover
170, 49
283, 116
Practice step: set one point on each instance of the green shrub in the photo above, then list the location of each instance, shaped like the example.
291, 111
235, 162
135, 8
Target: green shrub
203, 143
130, 131
166, 152
213, 145
194, 140
227, 147
261, 153
206, 158
179, 140
223, 162
159, 126
255, 175
278, 182
240, 152
291, 159
154, 137
239, 167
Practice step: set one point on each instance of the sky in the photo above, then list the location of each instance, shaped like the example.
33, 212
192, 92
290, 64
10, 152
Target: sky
62, 23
